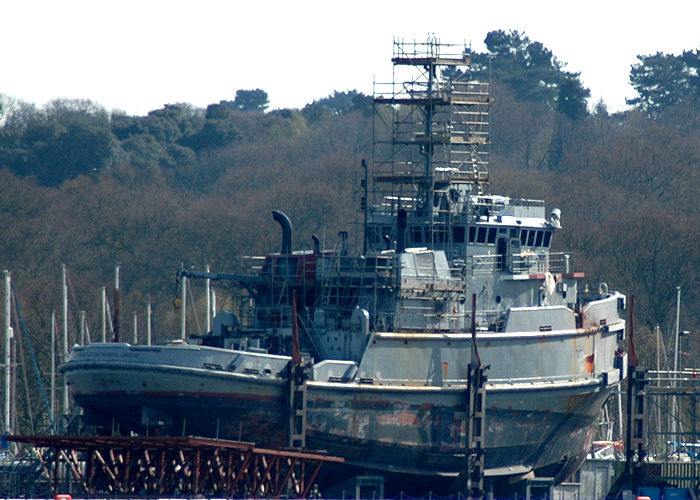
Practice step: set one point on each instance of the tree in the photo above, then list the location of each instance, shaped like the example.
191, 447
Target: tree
532, 72
520, 131
173, 122
251, 100
65, 139
663, 80
7, 104
163, 138
691, 59
572, 96
338, 103
215, 133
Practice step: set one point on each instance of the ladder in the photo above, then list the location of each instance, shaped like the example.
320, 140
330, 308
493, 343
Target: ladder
476, 427
297, 406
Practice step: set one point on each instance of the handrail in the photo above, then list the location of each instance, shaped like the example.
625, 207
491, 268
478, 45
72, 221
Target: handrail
527, 262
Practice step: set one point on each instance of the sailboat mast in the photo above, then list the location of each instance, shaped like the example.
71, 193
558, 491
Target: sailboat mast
53, 366
64, 350
115, 336
183, 311
674, 407
148, 323
207, 284
103, 299
8, 355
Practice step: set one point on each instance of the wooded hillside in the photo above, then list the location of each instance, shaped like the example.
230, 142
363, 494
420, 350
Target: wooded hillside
92, 189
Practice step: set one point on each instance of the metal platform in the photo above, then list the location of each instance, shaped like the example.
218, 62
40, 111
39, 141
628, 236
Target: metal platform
145, 466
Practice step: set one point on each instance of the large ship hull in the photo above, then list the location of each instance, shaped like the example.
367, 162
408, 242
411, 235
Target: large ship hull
530, 425
369, 355
177, 400
423, 431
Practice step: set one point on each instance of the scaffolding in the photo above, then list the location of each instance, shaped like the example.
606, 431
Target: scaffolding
667, 451
431, 127
674, 407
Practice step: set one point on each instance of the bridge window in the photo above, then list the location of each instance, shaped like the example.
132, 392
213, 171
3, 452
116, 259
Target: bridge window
523, 237
417, 234
531, 238
492, 236
472, 234
538, 241
458, 234
547, 239
481, 238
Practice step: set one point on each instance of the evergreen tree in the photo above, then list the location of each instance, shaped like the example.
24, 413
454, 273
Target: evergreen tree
532, 72
251, 100
663, 80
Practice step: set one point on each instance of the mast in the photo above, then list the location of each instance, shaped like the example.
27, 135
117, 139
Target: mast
64, 350
183, 305
148, 323
364, 206
207, 284
103, 299
676, 333
8, 354
657, 334
53, 367
115, 337
430, 136
81, 320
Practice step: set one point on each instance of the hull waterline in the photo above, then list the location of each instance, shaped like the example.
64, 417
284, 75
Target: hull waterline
414, 430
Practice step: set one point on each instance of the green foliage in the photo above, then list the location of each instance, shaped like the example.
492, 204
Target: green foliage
338, 103
66, 139
571, 97
250, 100
532, 72
6, 104
163, 138
219, 129
664, 80
173, 122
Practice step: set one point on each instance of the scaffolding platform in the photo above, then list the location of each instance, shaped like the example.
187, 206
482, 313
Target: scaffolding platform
147, 466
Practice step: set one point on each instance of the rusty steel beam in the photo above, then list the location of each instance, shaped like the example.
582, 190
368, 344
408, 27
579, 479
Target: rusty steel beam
179, 465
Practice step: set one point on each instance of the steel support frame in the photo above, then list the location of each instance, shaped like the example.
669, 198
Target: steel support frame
686, 387
636, 405
177, 466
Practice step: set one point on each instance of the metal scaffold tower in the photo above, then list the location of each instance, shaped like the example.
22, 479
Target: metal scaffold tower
431, 124
676, 445
667, 455
431, 144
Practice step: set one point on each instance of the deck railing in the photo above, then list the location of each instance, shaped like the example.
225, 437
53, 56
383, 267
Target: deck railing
521, 263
